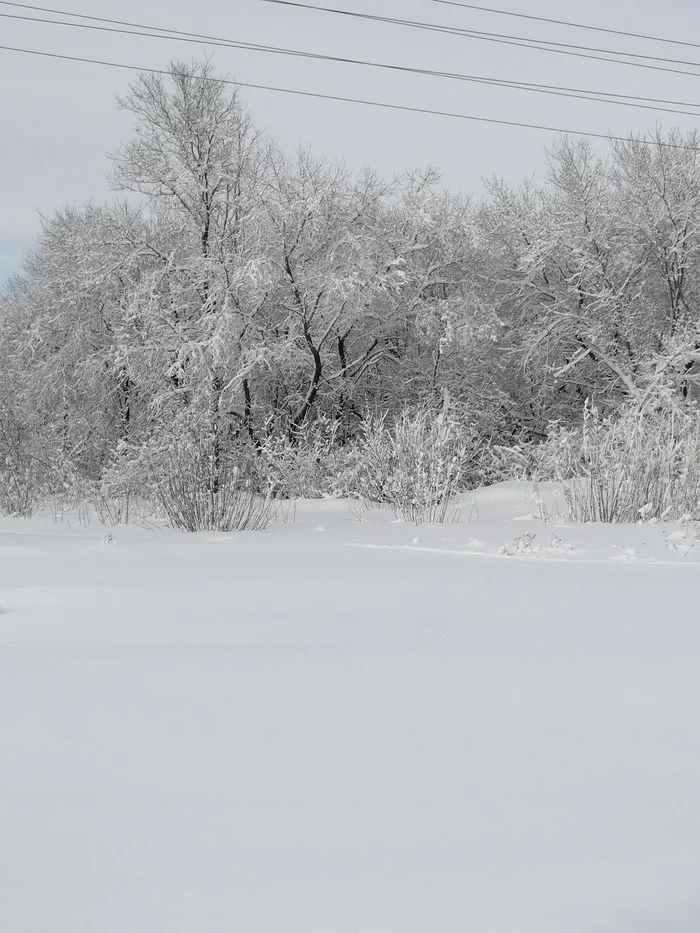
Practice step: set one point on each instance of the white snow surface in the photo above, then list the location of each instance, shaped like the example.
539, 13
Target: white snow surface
342, 726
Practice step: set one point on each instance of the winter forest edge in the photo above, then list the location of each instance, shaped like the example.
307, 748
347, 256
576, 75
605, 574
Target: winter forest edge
244, 328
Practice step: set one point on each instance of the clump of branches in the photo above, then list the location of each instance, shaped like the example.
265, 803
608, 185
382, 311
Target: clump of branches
27, 471
18, 492
638, 465
301, 464
195, 478
415, 464
200, 492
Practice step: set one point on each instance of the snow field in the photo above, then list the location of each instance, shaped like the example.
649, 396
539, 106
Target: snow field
350, 727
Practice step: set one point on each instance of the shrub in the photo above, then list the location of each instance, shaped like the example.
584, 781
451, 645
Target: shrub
637, 465
26, 473
304, 465
197, 481
415, 465
199, 494
18, 491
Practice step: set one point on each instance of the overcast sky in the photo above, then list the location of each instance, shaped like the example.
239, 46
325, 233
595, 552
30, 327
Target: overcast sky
59, 119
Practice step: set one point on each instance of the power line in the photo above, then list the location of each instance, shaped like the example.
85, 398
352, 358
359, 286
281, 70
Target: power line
452, 3
541, 45
434, 26
157, 32
369, 103
499, 38
566, 22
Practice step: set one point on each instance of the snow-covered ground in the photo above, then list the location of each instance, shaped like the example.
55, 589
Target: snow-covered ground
342, 726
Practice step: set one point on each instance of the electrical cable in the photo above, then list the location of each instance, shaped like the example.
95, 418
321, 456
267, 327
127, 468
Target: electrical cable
158, 32
540, 45
640, 140
563, 22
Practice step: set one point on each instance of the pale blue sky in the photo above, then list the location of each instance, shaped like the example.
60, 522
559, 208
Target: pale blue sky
59, 120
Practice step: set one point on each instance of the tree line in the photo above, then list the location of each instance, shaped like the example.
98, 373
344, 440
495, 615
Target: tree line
261, 294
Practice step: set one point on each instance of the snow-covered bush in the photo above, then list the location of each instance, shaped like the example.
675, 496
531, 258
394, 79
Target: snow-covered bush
17, 490
415, 465
304, 465
196, 479
639, 465
518, 461
120, 509
26, 471
198, 493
